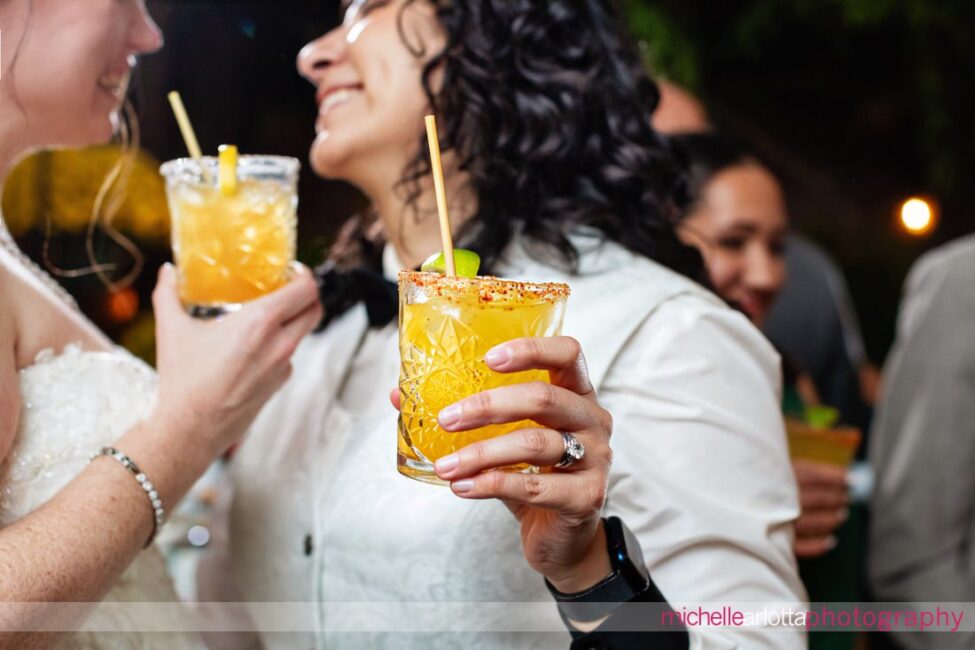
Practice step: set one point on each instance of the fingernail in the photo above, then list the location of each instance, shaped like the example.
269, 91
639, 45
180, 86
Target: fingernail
460, 487
831, 543
844, 514
448, 464
499, 356
449, 416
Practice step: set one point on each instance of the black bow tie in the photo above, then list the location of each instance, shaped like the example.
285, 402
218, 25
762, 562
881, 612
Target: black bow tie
340, 290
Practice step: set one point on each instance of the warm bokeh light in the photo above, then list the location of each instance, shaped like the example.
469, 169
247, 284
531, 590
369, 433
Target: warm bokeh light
122, 306
62, 185
917, 216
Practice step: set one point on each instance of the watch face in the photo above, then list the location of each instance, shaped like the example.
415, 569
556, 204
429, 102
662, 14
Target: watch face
625, 552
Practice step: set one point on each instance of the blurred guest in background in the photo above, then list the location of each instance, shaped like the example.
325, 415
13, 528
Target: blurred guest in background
737, 218
922, 533
679, 111
814, 323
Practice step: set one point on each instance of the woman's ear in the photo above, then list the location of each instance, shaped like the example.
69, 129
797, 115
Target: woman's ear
420, 29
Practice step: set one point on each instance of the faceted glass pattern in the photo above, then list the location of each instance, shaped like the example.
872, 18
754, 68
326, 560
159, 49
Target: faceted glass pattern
446, 327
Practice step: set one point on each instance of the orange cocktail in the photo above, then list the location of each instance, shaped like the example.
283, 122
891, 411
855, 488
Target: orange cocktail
232, 245
446, 326
832, 446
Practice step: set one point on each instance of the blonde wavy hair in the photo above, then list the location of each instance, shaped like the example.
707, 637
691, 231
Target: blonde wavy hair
106, 207
110, 195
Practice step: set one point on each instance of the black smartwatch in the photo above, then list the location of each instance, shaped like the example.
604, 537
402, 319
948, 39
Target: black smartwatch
629, 579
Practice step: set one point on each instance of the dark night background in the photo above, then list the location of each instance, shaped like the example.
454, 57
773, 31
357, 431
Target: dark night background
856, 104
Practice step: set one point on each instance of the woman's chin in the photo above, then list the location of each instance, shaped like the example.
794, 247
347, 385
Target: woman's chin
757, 314
101, 127
97, 131
81, 139
327, 158
103, 132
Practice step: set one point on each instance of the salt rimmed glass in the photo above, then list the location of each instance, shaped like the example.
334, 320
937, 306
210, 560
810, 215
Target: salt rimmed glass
232, 248
446, 327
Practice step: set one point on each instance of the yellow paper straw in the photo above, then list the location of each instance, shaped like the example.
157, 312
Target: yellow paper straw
186, 128
438, 183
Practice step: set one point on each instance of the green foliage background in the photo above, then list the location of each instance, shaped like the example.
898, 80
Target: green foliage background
681, 46
854, 103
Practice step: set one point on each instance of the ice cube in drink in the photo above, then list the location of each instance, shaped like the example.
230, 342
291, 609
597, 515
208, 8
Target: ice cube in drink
231, 248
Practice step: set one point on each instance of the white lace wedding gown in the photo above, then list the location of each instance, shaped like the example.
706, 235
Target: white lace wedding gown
73, 403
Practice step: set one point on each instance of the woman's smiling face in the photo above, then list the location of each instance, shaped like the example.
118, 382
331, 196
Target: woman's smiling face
739, 225
67, 64
368, 75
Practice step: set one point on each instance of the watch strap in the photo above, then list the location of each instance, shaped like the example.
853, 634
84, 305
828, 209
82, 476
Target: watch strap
596, 602
624, 584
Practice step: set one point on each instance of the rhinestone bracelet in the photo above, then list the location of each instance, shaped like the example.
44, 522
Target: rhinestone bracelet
159, 514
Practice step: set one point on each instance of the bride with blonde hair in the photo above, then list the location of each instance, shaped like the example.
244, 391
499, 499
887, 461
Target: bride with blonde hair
95, 447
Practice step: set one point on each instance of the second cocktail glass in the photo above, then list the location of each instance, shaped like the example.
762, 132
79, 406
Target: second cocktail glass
447, 324
232, 247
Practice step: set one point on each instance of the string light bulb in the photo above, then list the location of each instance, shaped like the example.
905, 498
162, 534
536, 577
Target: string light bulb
917, 216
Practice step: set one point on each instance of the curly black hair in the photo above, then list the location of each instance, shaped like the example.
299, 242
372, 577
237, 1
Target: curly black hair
547, 106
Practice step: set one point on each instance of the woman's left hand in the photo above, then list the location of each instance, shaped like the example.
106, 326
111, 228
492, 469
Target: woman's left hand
559, 510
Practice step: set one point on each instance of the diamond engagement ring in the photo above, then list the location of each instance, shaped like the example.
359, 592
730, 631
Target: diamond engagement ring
574, 451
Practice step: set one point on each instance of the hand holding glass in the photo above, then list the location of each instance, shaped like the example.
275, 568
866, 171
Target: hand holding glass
447, 324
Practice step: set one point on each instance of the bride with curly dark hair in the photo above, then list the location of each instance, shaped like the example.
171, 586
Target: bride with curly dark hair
554, 174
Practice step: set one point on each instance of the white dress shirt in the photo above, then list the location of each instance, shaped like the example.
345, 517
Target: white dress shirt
701, 475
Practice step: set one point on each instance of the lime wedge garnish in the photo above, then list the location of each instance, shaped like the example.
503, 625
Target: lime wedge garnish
467, 263
228, 169
821, 417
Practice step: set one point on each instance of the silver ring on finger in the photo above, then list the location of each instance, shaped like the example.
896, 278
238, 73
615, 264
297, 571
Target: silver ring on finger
574, 451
